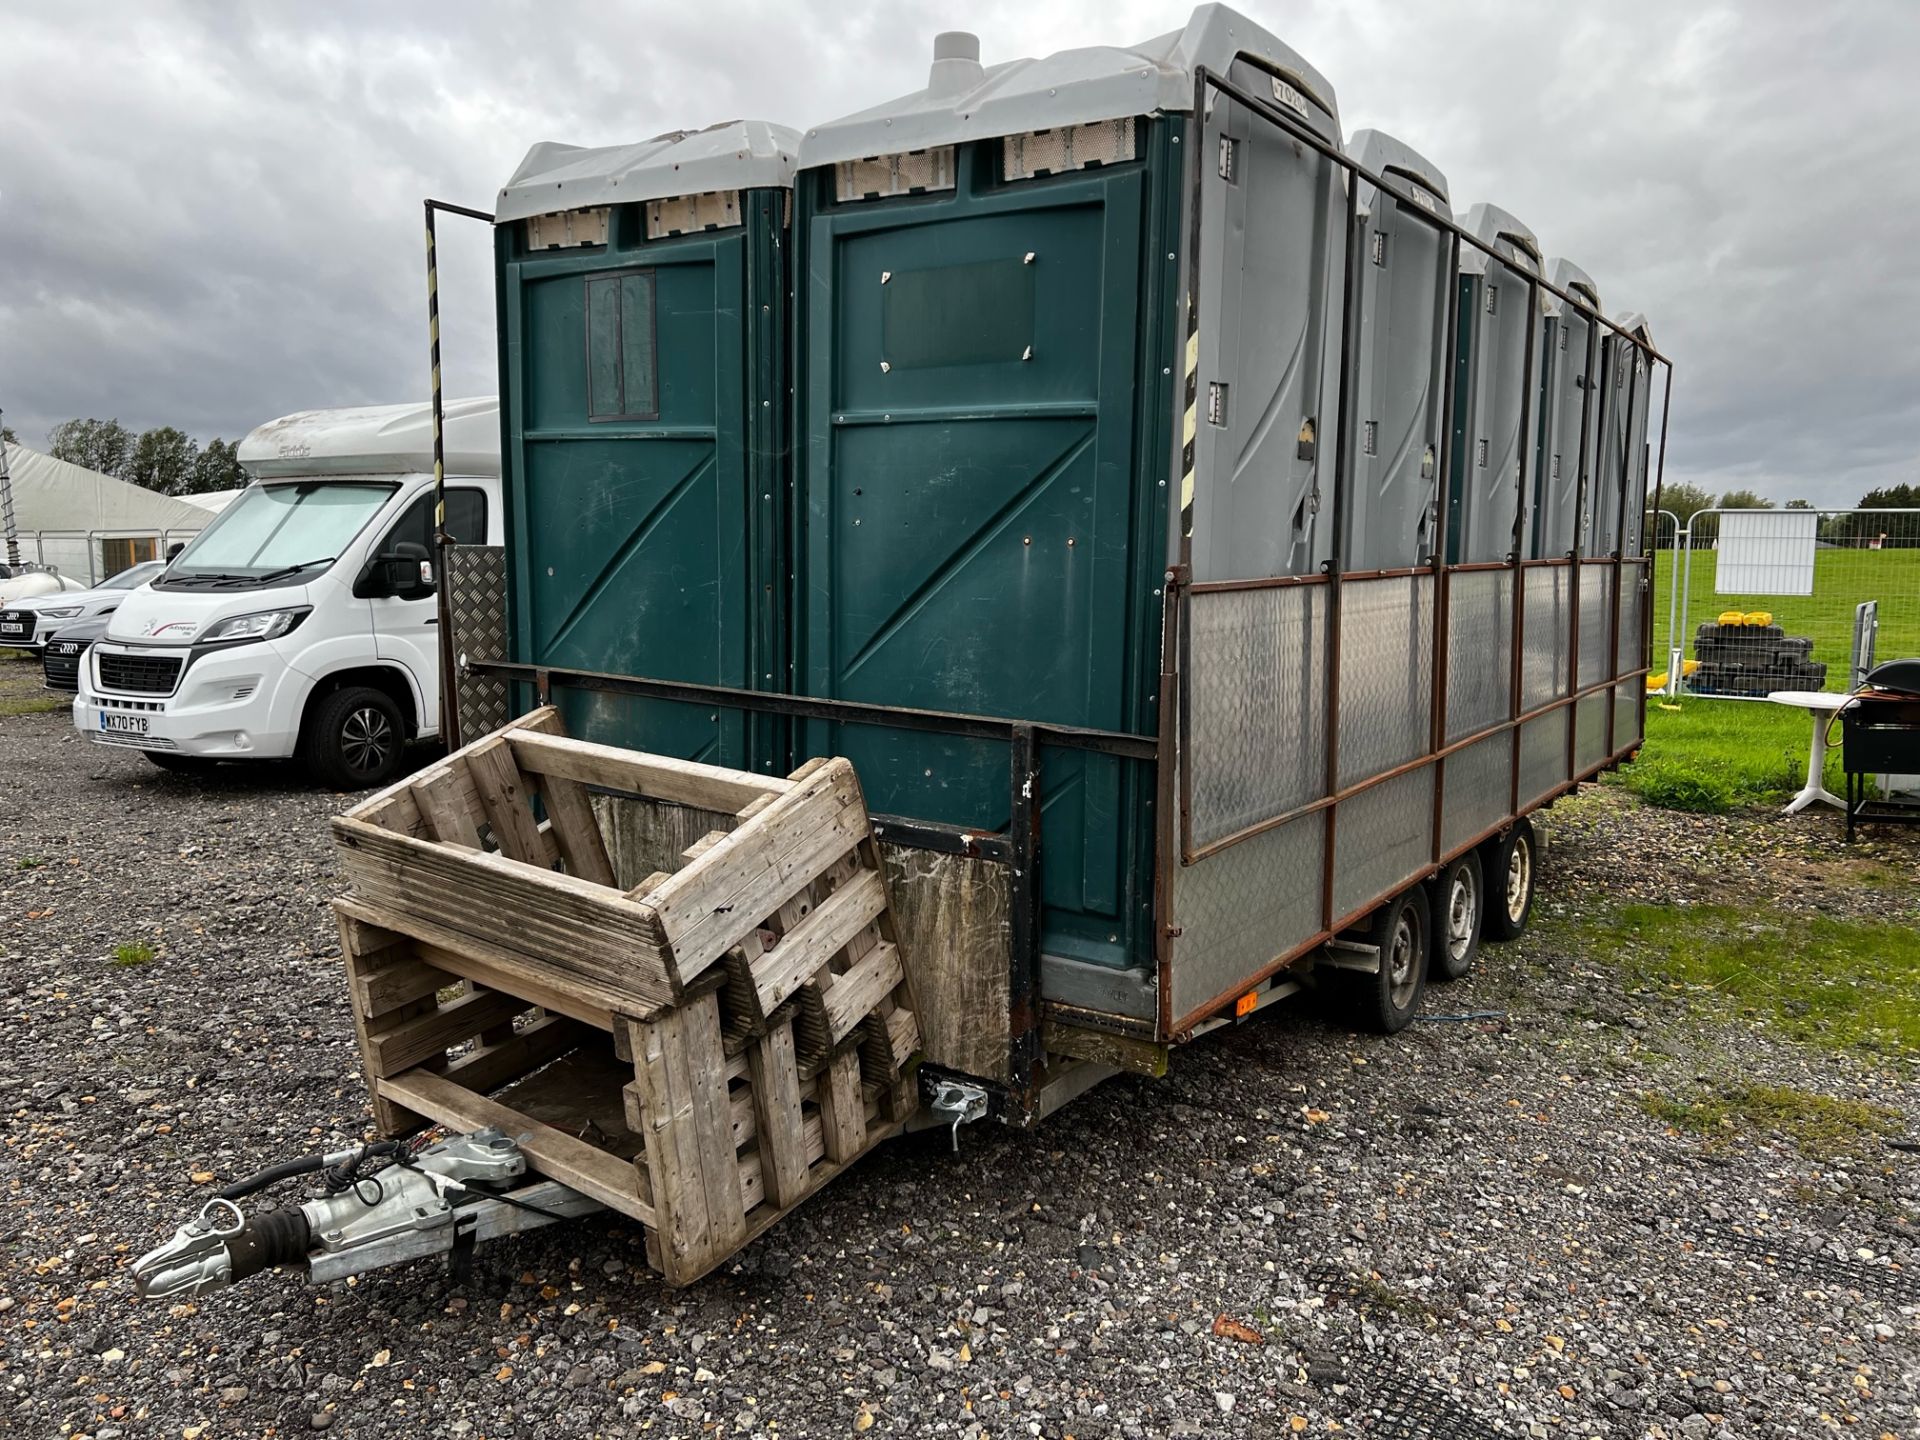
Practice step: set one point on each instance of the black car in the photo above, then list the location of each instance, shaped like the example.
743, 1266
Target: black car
65, 649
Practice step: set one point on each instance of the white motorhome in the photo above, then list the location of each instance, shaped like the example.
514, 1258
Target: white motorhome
303, 621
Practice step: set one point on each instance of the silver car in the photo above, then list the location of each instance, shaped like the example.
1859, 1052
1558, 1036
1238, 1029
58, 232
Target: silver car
26, 624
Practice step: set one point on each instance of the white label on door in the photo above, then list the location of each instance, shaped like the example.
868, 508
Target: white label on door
1290, 97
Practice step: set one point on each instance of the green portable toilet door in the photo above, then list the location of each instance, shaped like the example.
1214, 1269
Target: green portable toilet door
631, 494
969, 502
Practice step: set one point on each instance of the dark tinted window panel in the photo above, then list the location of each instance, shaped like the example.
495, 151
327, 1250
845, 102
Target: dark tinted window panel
977, 314
621, 351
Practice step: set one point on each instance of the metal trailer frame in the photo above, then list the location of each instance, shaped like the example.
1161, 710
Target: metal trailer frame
1177, 737
1020, 847
442, 541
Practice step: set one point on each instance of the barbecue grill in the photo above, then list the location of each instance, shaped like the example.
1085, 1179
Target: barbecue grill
1880, 735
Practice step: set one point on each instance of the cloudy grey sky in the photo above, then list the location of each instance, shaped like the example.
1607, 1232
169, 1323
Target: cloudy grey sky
209, 214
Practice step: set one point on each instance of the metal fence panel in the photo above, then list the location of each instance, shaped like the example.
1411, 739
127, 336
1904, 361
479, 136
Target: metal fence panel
1479, 650
477, 597
1748, 642
1543, 755
1386, 674
1547, 624
1474, 795
91, 556
1382, 837
1257, 719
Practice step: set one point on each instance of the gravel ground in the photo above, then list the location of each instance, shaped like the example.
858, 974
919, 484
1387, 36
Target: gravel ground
1469, 1229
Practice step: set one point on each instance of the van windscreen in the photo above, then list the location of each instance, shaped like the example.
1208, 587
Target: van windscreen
273, 526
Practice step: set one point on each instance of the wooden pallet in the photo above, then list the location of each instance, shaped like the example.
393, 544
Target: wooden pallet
750, 1012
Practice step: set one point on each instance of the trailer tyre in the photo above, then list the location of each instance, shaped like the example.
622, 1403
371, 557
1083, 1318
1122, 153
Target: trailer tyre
1387, 1000
1459, 903
1512, 866
355, 738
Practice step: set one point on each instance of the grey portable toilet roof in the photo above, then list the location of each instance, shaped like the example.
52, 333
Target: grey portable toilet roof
1408, 171
1492, 225
1575, 281
1634, 323
965, 101
733, 155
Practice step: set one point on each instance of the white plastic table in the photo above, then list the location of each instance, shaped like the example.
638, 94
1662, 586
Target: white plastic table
1823, 706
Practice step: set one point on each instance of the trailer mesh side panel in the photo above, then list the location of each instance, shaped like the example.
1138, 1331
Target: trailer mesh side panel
1236, 906
1590, 729
1474, 796
477, 596
1259, 706
1628, 712
1479, 650
1543, 659
1543, 755
1633, 599
1386, 674
1596, 621
1382, 838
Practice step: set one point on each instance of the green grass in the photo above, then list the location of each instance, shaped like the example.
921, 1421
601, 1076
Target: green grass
31, 704
16, 654
1712, 756
1824, 1127
1841, 580
131, 953
28, 862
1839, 984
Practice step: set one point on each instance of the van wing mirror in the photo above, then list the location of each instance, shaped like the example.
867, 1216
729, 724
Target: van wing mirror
398, 575
403, 576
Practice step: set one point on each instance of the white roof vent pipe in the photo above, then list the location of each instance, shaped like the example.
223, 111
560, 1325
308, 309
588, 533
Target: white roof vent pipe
956, 63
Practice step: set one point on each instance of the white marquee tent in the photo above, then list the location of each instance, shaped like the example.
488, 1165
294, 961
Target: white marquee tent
88, 525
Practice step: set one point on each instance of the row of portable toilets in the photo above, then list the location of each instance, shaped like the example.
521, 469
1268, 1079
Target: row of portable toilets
919, 406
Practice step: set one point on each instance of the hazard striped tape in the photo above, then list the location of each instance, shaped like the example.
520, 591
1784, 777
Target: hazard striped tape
433, 328
1191, 426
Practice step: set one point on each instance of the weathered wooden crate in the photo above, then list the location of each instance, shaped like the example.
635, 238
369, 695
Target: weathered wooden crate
702, 1050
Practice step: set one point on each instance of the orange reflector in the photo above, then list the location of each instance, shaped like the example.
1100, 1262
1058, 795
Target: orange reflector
1244, 1005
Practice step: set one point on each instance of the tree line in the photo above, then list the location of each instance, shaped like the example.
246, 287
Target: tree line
164, 458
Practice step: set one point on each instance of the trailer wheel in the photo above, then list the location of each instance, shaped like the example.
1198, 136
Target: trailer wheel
355, 738
1459, 904
1387, 1000
1511, 867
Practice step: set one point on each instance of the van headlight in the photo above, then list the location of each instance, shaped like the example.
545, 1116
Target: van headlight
262, 625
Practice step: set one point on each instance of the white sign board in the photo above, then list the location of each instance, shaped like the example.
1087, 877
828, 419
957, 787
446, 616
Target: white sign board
1766, 552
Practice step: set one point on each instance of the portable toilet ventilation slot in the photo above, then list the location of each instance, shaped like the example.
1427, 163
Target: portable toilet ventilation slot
690, 214
1071, 147
565, 229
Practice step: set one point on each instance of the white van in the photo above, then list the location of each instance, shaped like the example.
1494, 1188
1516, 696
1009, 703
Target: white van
302, 621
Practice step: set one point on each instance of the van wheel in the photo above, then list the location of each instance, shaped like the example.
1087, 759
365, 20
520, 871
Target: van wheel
180, 764
1387, 1000
1512, 866
355, 739
1459, 905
